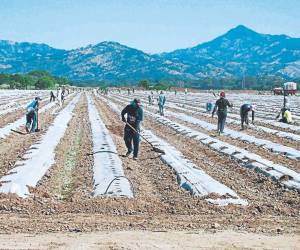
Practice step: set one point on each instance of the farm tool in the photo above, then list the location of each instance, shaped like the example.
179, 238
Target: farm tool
18, 132
155, 149
37, 122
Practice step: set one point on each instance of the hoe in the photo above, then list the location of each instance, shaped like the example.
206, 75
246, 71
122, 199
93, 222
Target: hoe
155, 149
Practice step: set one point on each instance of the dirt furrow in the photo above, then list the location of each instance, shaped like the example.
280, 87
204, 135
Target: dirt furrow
13, 147
260, 190
62, 202
220, 166
264, 153
195, 109
261, 123
71, 175
217, 164
258, 134
154, 182
13, 116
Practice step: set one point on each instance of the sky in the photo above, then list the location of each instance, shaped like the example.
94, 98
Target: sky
153, 26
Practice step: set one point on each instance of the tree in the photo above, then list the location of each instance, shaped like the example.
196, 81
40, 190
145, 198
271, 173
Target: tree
62, 81
144, 84
4, 79
44, 82
39, 73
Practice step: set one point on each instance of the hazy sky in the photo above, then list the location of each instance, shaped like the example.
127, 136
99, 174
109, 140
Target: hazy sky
152, 26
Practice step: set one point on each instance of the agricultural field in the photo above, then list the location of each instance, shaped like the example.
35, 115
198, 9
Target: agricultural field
72, 175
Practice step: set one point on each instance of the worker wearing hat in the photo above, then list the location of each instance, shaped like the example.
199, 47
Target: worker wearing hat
134, 113
221, 107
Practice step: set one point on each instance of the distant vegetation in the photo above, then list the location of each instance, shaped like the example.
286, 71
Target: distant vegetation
248, 82
40, 79
37, 79
158, 85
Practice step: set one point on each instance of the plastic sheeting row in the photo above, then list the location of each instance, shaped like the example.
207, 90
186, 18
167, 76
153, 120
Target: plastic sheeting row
39, 158
273, 147
7, 130
248, 159
109, 177
189, 176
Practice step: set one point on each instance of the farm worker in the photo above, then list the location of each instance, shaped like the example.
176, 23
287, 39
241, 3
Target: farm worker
63, 94
149, 100
161, 102
58, 96
221, 105
135, 115
245, 108
209, 106
286, 116
31, 115
52, 96
152, 97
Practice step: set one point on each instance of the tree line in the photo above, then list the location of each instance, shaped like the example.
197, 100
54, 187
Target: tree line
37, 79
238, 83
247, 82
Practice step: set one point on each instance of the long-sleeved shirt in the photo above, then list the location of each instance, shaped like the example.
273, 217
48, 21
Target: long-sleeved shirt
221, 105
288, 116
34, 104
161, 100
245, 108
134, 113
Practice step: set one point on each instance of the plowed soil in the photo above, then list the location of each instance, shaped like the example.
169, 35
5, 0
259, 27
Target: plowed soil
63, 201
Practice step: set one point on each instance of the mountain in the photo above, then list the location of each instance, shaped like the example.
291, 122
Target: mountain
108, 61
241, 51
111, 61
24, 57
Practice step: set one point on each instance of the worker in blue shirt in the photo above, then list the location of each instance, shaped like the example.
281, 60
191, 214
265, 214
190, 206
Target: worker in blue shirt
31, 115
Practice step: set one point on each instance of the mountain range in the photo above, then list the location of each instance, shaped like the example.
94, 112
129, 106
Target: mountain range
239, 52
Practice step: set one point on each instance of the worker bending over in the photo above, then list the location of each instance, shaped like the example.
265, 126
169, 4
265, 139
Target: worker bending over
31, 115
286, 115
244, 110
